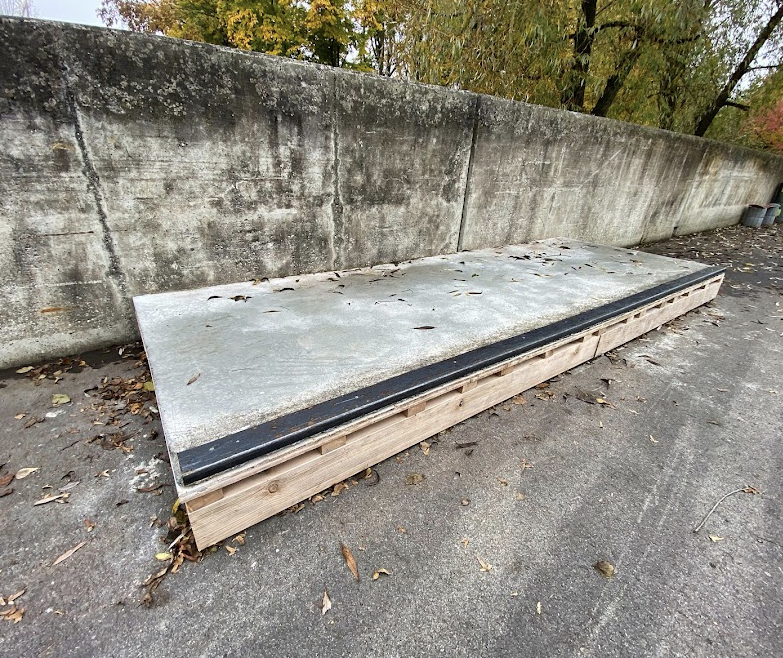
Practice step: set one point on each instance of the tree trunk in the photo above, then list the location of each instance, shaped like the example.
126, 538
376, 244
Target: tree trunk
573, 96
706, 119
616, 81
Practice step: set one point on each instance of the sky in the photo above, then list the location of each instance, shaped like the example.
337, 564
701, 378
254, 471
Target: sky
71, 11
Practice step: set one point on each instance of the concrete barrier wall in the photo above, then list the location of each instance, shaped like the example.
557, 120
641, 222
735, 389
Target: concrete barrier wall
133, 164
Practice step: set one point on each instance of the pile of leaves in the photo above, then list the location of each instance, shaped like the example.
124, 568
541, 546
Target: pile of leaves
54, 370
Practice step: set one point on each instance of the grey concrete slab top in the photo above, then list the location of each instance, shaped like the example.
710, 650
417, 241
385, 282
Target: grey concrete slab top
229, 357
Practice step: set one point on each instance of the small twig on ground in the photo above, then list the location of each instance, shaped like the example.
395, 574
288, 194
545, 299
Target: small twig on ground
747, 489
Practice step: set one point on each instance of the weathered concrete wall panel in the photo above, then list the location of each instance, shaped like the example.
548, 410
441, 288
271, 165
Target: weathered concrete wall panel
538, 172
217, 168
403, 153
59, 287
133, 164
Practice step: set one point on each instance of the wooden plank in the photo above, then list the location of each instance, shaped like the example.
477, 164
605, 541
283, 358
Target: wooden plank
302, 471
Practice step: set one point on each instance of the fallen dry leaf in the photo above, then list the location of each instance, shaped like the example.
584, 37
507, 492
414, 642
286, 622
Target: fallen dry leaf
163, 556
605, 568
751, 490
22, 473
60, 398
16, 595
414, 478
90, 525
68, 553
485, 567
326, 605
538, 608
377, 573
425, 447
230, 549
503, 481
715, 538
6, 479
13, 614
350, 561
339, 488
25, 369
19, 416
240, 538
193, 379
49, 499
465, 541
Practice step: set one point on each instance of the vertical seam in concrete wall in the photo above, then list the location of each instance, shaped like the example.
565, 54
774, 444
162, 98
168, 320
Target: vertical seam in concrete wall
687, 197
464, 215
93, 186
338, 238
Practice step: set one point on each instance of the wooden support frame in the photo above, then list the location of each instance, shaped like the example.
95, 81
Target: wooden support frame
231, 501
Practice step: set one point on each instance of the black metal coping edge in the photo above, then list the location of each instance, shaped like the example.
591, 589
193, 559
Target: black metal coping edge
235, 449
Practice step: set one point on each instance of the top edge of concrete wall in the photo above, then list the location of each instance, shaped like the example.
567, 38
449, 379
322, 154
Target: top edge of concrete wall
638, 129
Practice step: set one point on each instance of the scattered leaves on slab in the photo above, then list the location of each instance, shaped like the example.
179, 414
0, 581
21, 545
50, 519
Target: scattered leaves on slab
425, 447
606, 569
22, 473
68, 553
414, 478
60, 398
715, 538
326, 604
350, 561
193, 379
377, 573
24, 369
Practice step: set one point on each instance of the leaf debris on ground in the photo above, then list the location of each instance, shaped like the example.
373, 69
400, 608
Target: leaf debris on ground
68, 553
606, 569
350, 561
